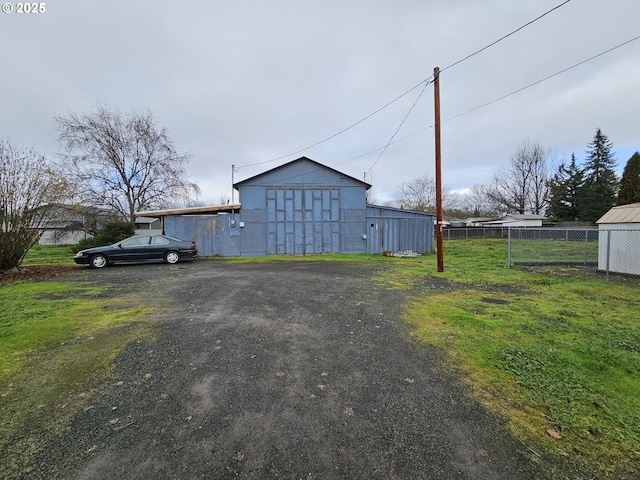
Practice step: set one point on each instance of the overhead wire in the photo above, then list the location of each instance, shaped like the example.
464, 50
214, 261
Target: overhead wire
544, 79
341, 131
426, 82
384, 149
400, 126
504, 37
548, 77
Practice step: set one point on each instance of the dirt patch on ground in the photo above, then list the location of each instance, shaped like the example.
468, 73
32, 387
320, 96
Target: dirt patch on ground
35, 272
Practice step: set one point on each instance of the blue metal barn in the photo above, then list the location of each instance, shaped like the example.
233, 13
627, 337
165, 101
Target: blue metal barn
300, 208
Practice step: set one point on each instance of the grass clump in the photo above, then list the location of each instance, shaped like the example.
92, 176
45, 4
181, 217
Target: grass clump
548, 353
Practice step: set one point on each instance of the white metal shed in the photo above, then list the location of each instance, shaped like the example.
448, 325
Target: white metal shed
619, 240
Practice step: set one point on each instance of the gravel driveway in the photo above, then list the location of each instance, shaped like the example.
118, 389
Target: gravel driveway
293, 370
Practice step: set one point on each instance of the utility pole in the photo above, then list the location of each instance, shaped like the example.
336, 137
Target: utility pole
233, 169
436, 104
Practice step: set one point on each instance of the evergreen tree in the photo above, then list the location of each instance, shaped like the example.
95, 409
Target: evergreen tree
598, 193
630, 182
564, 189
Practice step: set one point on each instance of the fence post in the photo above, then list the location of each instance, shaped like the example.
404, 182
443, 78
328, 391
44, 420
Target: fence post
608, 252
586, 247
509, 248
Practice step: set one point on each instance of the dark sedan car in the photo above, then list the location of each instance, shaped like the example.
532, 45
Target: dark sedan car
139, 248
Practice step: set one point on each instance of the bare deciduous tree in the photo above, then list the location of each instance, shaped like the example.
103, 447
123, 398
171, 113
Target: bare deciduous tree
419, 194
523, 185
124, 162
478, 202
31, 192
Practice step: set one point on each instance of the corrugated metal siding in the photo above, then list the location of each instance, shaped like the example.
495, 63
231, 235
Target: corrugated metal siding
398, 230
214, 234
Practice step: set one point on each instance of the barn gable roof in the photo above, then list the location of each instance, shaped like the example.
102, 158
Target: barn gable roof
301, 171
623, 214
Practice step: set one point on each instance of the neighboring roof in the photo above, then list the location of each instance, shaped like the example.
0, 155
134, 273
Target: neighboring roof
297, 160
514, 219
623, 214
187, 211
518, 216
478, 219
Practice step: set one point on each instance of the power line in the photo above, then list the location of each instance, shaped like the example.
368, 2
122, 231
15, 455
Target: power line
506, 36
495, 100
380, 148
399, 126
426, 81
544, 79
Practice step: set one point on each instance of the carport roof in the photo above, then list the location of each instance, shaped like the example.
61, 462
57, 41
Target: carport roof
190, 211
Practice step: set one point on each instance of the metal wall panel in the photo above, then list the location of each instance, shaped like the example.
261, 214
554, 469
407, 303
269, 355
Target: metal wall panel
398, 230
214, 234
302, 221
301, 208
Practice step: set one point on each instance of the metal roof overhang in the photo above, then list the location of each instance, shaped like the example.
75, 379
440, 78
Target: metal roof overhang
190, 211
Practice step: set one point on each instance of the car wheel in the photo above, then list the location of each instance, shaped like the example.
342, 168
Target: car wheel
172, 257
99, 261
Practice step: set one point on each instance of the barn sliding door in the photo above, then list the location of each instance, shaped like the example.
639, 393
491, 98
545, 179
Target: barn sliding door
303, 221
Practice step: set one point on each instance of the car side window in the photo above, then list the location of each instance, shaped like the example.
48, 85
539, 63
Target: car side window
136, 241
159, 241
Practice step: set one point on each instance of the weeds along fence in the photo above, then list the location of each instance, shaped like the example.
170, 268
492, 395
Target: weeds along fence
610, 254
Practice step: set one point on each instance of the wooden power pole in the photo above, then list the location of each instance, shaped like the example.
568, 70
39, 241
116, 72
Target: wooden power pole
436, 103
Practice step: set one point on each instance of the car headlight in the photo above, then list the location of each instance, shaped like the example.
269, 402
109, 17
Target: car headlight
79, 254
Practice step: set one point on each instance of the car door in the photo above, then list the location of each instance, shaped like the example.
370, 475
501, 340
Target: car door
158, 247
134, 249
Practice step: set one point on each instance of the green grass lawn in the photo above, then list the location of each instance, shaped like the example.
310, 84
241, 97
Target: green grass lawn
49, 255
551, 354
575, 252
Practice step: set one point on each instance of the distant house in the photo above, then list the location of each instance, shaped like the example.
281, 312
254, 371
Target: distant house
619, 240
517, 220
147, 225
68, 224
476, 221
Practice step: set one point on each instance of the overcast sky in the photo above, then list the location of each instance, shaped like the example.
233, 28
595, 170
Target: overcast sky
242, 82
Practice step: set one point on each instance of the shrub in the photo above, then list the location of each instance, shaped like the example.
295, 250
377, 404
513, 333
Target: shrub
111, 233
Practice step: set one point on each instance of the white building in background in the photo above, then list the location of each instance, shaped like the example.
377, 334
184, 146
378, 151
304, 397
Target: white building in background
517, 220
619, 240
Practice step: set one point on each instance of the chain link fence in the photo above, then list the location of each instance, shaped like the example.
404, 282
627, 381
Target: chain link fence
460, 233
612, 254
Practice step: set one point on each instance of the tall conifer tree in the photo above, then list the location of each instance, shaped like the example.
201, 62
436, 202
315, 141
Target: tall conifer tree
630, 182
598, 193
564, 189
